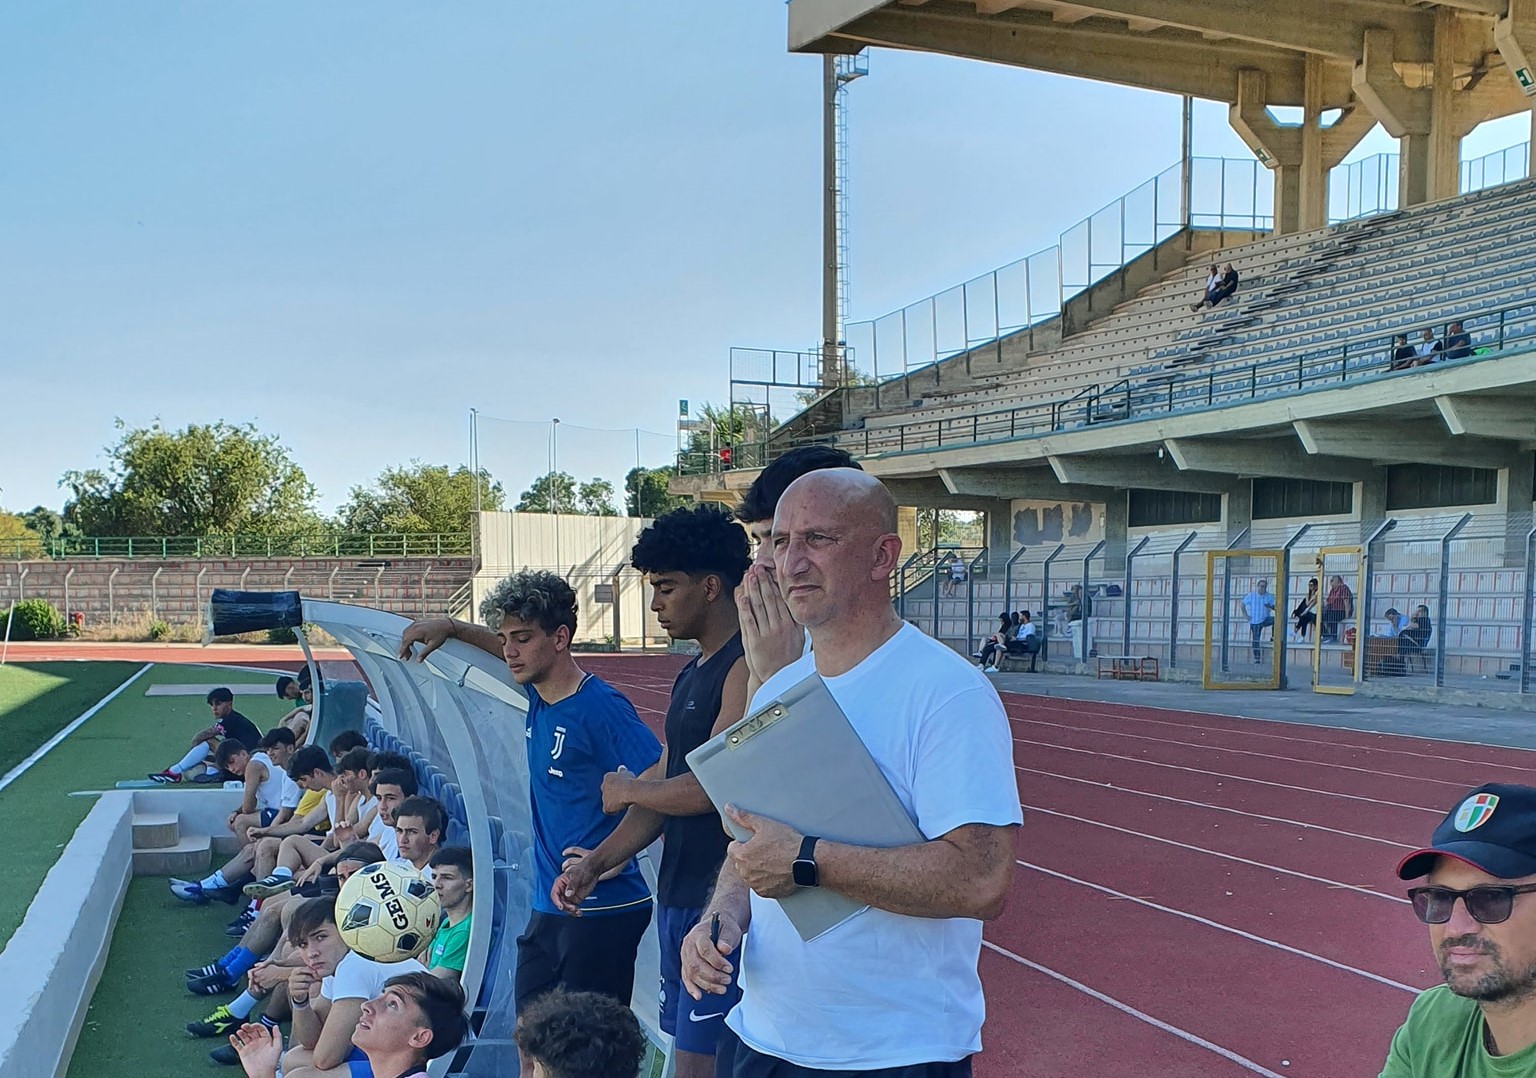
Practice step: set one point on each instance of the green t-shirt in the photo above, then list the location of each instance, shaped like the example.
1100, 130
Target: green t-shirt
449, 946
1443, 1038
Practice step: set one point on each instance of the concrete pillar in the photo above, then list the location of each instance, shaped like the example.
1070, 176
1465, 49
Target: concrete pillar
1371, 496
1444, 129
999, 533
1515, 484
1515, 35
906, 527
1237, 509
1117, 519
1301, 155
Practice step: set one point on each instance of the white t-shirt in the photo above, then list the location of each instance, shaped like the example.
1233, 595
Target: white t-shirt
273, 792
881, 989
331, 813
362, 978
1026, 630
383, 837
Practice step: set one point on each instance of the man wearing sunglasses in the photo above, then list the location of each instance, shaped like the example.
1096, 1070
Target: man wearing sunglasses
1479, 901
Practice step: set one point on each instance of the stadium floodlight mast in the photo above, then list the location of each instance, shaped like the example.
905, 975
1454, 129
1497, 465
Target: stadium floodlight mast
837, 72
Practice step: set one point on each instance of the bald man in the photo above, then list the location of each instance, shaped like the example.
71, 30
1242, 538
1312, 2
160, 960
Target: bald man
895, 989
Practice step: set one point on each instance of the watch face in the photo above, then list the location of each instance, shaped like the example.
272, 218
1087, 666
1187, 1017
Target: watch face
804, 873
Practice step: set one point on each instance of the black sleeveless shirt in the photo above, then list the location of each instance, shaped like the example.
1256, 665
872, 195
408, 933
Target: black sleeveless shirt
693, 846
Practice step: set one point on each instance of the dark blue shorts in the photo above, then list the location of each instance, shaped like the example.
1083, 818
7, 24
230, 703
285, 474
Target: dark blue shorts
358, 1063
267, 816
695, 1025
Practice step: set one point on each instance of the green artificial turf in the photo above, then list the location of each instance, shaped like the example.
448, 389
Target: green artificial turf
137, 1020
128, 738
37, 700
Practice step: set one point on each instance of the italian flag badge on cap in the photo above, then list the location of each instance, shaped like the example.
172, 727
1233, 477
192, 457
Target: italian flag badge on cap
1475, 811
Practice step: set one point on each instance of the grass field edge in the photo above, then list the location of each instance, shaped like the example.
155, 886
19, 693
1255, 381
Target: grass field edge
48, 746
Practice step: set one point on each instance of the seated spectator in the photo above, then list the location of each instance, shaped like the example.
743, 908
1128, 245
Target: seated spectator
268, 979
283, 849
1427, 349
227, 723
415, 1018
1006, 626
327, 993
1305, 612
1404, 354
1481, 917
1212, 286
1458, 342
1026, 639
578, 1035
453, 878
1414, 637
957, 572
1338, 606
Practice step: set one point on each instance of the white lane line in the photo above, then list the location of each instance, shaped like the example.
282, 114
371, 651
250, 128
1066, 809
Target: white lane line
1227, 775
1054, 703
1207, 922
1216, 808
1244, 752
1217, 853
1141, 1016
42, 750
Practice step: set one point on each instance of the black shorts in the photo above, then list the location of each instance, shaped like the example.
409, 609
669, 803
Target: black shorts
592, 953
733, 1059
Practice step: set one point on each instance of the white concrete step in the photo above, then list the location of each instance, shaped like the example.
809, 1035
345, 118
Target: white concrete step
156, 830
188, 857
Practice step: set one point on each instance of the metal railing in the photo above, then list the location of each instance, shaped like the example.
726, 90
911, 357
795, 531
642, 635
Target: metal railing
168, 547
1504, 330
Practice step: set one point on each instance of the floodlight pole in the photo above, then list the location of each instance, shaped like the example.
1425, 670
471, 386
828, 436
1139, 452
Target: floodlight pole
829, 207
1187, 161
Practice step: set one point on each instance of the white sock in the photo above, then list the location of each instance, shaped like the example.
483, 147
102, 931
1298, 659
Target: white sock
216, 880
243, 1004
283, 873
197, 755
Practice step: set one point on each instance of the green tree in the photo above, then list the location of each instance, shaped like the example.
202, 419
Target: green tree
420, 498
16, 539
645, 493
948, 527
205, 480
553, 492
47, 524
741, 427
595, 499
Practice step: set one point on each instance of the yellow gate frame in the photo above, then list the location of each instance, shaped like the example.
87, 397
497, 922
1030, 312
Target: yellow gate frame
1317, 634
1276, 634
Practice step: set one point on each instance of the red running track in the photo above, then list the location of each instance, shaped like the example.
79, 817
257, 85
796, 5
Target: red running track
1196, 896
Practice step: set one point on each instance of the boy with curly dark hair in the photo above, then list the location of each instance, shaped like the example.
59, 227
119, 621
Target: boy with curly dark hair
579, 1035
693, 559
579, 728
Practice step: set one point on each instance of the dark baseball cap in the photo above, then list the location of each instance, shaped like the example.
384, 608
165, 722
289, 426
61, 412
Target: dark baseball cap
1491, 828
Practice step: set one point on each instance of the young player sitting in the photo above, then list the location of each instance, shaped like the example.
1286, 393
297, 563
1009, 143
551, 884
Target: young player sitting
227, 723
414, 1019
327, 994
565, 1034
268, 979
281, 850
453, 878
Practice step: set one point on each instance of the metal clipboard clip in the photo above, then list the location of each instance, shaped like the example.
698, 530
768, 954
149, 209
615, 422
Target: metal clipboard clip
756, 724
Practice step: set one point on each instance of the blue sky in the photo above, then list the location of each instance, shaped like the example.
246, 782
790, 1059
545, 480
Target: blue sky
351, 222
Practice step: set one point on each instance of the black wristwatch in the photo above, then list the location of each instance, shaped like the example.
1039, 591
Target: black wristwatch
805, 864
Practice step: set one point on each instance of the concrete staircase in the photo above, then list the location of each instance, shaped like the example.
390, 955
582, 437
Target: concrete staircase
160, 850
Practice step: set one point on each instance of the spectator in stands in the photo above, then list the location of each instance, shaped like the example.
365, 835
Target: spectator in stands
1477, 901
1007, 626
1026, 639
419, 823
1427, 349
769, 636
1305, 612
957, 572
693, 559
327, 994
227, 723
858, 998
1458, 342
1259, 605
1414, 637
414, 1019
579, 729
453, 878
579, 1035
1212, 286
1337, 606
268, 979
1404, 355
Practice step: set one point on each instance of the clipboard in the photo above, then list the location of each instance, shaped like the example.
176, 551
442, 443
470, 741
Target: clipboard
800, 761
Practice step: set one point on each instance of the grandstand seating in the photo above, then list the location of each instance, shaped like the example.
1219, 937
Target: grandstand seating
1311, 307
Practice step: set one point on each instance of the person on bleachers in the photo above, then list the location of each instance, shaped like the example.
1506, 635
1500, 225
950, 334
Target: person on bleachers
1458, 342
1218, 289
693, 559
1259, 605
327, 994
1007, 626
227, 723
1427, 350
860, 997
268, 979
1212, 286
1025, 640
1305, 612
414, 1019
453, 878
1338, 605
1414, 637
1404, 355
579, 729
579, 1035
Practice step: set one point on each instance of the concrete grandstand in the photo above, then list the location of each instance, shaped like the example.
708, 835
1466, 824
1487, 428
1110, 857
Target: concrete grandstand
1113, 440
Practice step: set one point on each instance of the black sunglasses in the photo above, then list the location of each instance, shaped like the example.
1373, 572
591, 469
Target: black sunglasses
1487, 905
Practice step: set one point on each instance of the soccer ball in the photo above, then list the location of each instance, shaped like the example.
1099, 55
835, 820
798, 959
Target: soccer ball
387, 912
